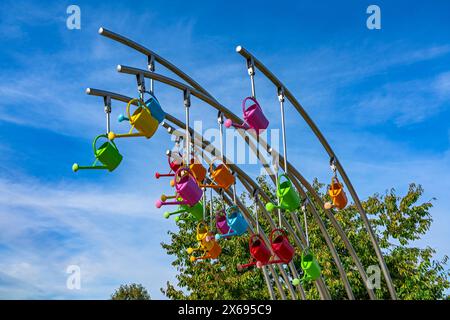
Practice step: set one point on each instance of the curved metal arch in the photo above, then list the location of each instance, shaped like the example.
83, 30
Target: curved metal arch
266, 146
247, 55
194, 84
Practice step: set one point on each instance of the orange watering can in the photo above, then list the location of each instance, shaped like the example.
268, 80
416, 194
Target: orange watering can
107, 154
337, 194
221, 175
141, 119
211, 249
198, 171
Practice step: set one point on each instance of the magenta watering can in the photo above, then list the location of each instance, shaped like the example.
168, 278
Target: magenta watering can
254, 117
222, 223
186, 188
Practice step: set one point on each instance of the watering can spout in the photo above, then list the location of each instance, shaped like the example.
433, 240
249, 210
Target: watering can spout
121, 118
75, 167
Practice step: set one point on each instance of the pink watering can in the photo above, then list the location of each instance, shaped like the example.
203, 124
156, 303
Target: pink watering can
222, 223
187, 190
254, 117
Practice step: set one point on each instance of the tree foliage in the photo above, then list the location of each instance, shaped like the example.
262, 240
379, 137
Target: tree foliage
396, 221
132, 291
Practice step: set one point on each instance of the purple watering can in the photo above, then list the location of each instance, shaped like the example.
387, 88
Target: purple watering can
254, 117
221, 222
187, 190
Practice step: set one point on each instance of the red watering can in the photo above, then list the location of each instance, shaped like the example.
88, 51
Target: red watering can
337, 194
259, 251
186, 188
281, 246
254, 117
175, 162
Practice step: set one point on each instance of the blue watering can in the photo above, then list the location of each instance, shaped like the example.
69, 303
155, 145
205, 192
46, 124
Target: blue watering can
236, 221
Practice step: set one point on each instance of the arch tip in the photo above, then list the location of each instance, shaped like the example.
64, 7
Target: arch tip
101, 30
88, 90
238, 48
119, 67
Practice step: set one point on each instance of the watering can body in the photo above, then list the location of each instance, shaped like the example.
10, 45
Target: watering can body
107, 154
254, 116
337, 194
236, 221
194, 213
222, 176
155, 108
187, 187
310, 267
258, 249
198, 171
222, 223
143, 121
215, 250
281, 245
289, 198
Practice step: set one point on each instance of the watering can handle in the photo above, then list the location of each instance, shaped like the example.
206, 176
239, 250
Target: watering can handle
253, 236
333, 180
214, 160
152, 96
180, 170
169, 157
277, 230
249, 98
202, 223
101, 136
283, 175
228, 213
140, 103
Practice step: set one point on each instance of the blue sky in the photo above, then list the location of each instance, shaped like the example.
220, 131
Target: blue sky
381, 98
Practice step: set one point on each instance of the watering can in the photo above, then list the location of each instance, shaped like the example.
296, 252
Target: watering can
259, 252
195, 213
174, 164
281, 246
107, 154
155, 108
186, 188
310, 267
235, 222
211, 249
221, 175
337, 194
254, 117
141, 119
222, 223
287, 195
198, 171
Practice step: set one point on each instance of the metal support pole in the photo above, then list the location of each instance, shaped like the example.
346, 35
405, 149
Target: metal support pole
107, 102
283, 126
220, 122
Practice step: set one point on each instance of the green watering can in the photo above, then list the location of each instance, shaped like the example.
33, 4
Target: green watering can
310, 267
286, 193
107, 154
195, 213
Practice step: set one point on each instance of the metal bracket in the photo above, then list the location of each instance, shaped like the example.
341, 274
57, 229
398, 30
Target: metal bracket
151, 63
255, 192
187, 98
140, 79
280, 91
251, 67
305, 202
107, 101
333, 164
220, 117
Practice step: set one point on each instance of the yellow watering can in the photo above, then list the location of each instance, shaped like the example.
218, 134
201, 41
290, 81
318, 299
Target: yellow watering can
141, 119
207, 244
